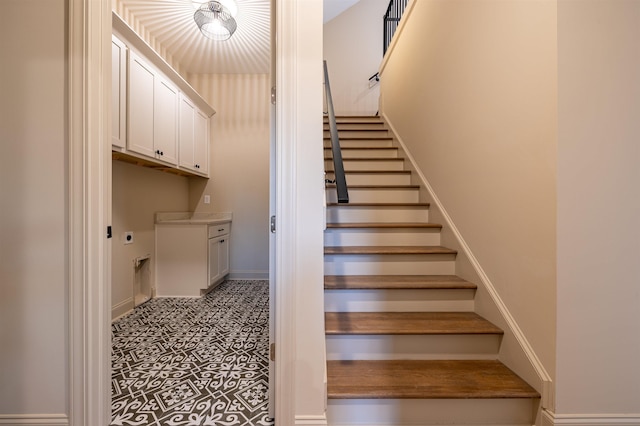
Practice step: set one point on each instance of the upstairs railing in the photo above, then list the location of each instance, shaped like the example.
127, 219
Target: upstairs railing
336, 153
391, 20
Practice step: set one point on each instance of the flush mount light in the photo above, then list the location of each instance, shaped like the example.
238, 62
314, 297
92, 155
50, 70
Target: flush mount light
229, 4
215, 20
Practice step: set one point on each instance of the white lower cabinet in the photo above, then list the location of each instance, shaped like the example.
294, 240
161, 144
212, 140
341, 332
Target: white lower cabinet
218, 258
190, 258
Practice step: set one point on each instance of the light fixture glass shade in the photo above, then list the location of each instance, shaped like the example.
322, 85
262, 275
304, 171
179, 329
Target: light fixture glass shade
215, 21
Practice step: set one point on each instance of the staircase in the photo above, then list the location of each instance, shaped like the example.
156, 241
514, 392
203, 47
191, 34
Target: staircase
403, 343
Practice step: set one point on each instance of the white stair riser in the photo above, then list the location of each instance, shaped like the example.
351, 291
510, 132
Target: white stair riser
375, 178
364, 153
357, 126
423, 412
377, 214
354, 119
388, 265
405, 300
359, 134
350, 165
382, 237
357, 143
376, 195
401, 347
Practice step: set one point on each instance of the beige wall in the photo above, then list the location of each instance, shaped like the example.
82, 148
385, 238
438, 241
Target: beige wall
33, 215
471, 90
239, 167
598, 209
353, 50
138, 193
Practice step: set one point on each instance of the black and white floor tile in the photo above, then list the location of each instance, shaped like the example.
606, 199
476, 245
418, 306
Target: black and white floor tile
194, 362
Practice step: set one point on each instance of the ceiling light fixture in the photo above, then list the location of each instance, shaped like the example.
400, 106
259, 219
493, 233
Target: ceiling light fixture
215, 20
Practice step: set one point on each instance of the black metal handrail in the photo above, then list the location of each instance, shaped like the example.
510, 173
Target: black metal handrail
391, 20
338, 166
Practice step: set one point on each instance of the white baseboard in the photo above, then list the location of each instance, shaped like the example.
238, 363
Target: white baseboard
320, 420
551, 419
248, 275
34, 419
121, 308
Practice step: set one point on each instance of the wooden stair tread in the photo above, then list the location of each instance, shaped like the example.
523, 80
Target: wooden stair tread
378, 186
401, 205
401, 282
358, 138
385, 225
365, 148
403, 323
363, 129
419, 379
388, 250
373, 172
368, 159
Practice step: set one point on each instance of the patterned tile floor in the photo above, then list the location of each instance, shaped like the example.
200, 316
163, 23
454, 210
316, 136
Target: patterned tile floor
194, 362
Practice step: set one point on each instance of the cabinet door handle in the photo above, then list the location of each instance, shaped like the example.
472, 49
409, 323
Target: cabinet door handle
221, 229
221, 241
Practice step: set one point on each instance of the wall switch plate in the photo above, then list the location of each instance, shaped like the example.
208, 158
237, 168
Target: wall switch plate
128, 237
207, 199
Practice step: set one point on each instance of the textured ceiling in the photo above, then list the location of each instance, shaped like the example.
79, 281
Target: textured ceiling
246, 52
171, 23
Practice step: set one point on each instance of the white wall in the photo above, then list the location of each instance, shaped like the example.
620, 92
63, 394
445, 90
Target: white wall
598, 209
33, 216
353, 51
138, 193
471, 89
309, 194
239, 167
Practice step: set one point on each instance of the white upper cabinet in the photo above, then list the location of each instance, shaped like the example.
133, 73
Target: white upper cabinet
140, 106
153, 112
194, 137
165, 130
157, 117
201, 146
118, 93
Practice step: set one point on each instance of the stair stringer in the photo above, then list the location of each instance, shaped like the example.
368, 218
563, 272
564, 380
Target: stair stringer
515, 350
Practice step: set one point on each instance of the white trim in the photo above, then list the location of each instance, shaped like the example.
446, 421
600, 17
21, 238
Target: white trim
89, 162
285, 209
549, 418
320, 420
34, 419
121, 309
547, 394
248, 275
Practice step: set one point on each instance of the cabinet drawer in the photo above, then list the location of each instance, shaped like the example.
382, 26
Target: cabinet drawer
219, 229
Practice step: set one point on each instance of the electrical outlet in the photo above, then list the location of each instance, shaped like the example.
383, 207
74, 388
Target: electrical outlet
128, 237
207, 199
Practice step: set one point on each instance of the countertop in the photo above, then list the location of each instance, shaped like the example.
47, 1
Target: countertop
191, 218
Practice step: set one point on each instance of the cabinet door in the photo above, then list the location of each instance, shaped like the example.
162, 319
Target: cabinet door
201, 143
223, 255
118, 93
214, 262
186, 139
165, 130
140, 106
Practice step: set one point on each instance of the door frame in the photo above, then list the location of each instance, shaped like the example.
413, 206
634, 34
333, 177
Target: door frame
89, 210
